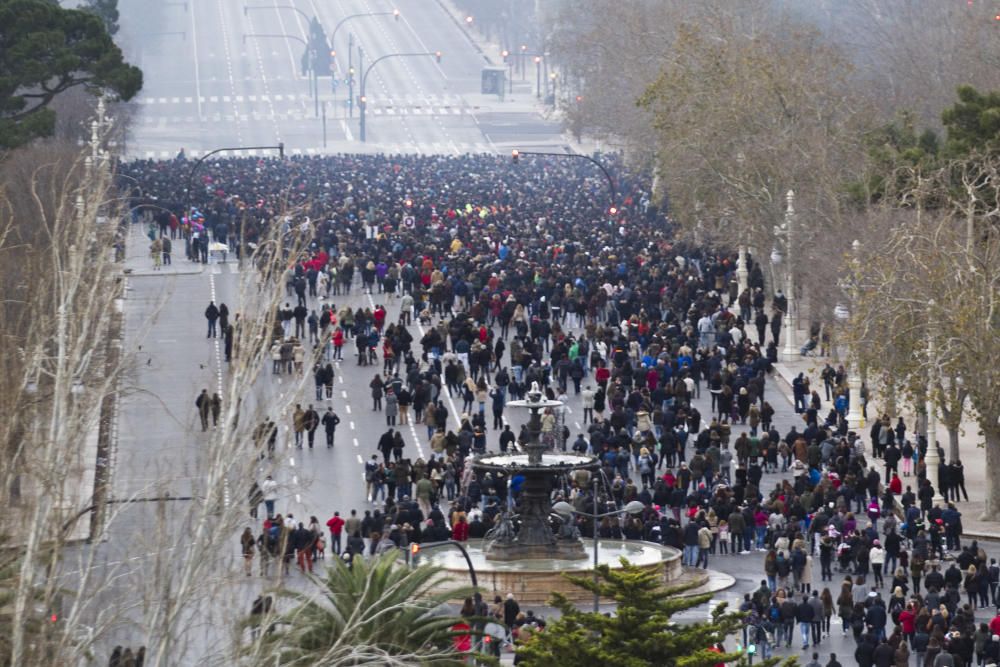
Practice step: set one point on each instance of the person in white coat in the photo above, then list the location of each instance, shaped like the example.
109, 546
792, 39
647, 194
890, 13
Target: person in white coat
270, 490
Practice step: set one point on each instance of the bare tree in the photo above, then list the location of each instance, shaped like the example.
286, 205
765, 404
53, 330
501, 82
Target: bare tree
57, 372
926, 280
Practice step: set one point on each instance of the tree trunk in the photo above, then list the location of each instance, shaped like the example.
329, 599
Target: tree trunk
953, 444
890, 396
991, 509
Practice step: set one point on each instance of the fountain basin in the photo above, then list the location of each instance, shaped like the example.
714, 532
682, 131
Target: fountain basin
533, 581
552, 462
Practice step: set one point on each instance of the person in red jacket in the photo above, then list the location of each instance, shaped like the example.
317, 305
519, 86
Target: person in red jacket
336, 526
338, 344
602, 375
995, 625
460, 531
906, 619
896, 485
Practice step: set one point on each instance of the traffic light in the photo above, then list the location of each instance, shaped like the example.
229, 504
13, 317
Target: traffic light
414, 553
515, 155
437, 55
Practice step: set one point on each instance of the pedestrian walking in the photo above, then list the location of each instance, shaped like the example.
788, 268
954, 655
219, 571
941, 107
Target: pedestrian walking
212, 315
204, 405
330, 421
248, 545
269, 488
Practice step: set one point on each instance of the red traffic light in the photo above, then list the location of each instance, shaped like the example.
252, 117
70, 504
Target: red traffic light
515, 154
414, 549
437, 54
613, 210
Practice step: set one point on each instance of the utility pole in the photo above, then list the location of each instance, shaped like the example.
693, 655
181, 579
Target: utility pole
932, 460
791, 351
324, 124
361, 56
366, 72
350, 75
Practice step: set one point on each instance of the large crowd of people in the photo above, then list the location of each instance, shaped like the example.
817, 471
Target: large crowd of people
497, 275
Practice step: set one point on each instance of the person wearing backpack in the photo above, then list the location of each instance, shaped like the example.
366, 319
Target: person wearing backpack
647, 468
783, 568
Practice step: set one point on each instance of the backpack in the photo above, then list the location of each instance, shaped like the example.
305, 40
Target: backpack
894, 611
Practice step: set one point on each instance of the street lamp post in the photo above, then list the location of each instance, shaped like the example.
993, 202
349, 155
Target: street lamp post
350, 75
312, 68
742, 273
791, 351
424, 546
854, 413
566, 510
333, 35
247, 8
538, 77
516, 154
508, 60
314, 75
364, 79
350, 47
932, 459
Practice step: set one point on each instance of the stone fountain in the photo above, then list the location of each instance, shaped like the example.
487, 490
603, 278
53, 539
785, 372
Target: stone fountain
521, 554
534, 537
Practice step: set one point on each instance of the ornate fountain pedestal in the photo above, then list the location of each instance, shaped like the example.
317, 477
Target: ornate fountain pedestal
534, 538
521, 554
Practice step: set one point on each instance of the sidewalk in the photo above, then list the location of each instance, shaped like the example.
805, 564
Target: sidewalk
139, 263
973, 455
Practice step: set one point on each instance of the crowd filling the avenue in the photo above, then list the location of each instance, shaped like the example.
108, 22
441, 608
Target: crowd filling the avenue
486, 276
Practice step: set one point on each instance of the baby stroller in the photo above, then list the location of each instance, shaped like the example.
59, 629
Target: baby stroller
844, 557
810, 346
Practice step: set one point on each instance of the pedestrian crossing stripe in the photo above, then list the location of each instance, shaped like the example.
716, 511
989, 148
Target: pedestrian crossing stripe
431, 101
279, 115
434, 148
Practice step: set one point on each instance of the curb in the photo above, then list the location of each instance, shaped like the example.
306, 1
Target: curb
980, 535
709, 581
147, 273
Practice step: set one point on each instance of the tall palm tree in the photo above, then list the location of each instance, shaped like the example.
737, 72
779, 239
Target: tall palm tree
374, 613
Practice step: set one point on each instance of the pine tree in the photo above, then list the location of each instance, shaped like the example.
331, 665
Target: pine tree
47, 50
639, 633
